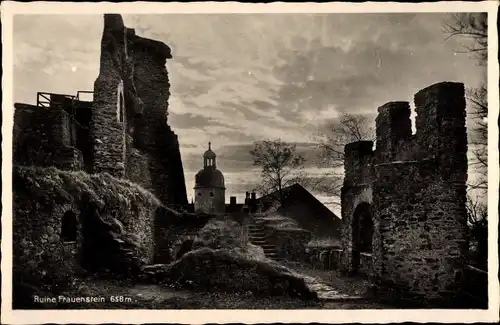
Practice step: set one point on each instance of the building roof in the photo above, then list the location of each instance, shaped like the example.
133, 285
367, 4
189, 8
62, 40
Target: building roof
209, 177
209, 154
306, 209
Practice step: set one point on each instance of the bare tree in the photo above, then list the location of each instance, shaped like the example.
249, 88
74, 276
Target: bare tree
348, 128
477, 220
473, 29
281, 165
478, 100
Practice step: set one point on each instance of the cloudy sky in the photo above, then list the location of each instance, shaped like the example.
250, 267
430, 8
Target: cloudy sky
237, 78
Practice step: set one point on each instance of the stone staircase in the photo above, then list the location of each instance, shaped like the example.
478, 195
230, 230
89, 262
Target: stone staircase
257, 237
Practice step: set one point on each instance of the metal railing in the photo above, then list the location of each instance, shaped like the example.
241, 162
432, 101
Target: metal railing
44, 99
49, 99
77, 97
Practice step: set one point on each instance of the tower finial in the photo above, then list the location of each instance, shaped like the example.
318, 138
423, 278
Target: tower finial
209, 144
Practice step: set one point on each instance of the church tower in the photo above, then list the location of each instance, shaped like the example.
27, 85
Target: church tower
209, 189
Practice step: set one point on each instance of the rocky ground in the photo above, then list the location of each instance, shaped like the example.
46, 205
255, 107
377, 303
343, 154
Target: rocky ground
118, 295
220, 269
337, 293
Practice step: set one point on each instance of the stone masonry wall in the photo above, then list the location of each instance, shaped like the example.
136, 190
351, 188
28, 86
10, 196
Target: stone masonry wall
418, 188
42, 138
152, 135
137, 168
129, 119
108, 122
357, 189
41, 196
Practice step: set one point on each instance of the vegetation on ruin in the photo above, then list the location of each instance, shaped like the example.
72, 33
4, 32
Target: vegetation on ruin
46, 184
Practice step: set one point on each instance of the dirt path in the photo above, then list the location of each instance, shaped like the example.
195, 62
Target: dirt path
337, 292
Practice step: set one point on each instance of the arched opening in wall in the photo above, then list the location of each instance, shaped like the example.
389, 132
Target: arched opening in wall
69, 227
212, 194
362, 234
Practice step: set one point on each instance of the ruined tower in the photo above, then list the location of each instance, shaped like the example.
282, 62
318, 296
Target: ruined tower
124, 131
413, 188
129, 127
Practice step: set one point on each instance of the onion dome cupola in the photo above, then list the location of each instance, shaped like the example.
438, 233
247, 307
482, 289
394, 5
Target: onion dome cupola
209, 176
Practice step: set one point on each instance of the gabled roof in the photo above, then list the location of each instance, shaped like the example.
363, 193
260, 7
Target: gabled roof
306, 209
293, 193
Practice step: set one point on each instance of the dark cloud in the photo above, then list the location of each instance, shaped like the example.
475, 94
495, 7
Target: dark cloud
240, 78
387, 62
188, 121
199, 66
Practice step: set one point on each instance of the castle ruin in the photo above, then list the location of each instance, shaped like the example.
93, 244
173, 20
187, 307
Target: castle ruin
124, 131
403, 204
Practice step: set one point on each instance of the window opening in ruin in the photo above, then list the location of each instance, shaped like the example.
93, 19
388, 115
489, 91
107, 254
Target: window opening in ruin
199, 194
120, 108
362, 233
211, 193
69, 227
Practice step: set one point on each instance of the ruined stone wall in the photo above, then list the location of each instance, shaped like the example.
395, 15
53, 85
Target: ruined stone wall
152, 135
176, 190
324, 258
137, 168
41, 196
42, 137
108, 123
173, 227
418, 188
289, 242
129, 120
357, 189
39, 254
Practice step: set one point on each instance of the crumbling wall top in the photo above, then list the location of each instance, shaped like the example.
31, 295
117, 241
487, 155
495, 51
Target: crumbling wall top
445, 88
113, 22
359, 149
156, 47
